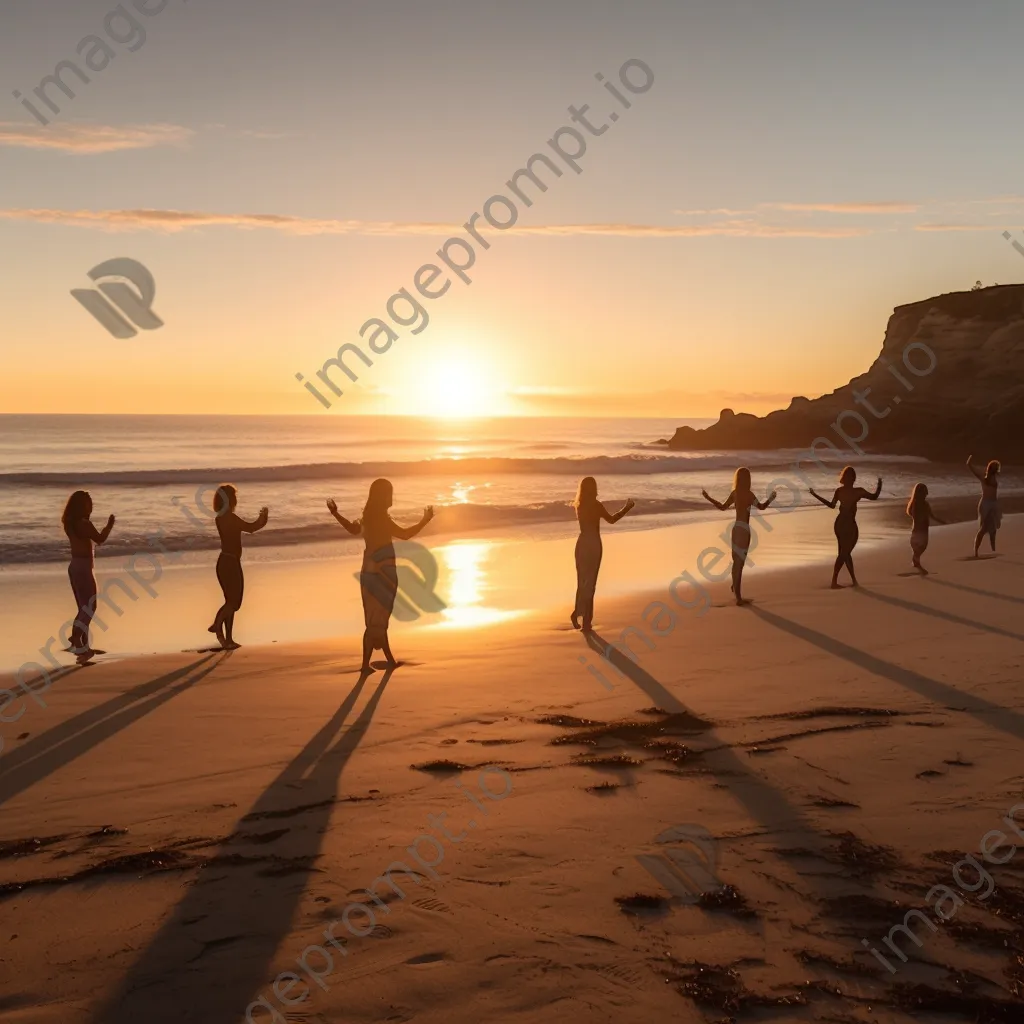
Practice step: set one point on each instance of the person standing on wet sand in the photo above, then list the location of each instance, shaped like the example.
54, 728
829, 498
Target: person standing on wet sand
83, 535
589, 549
229, 563
921, 512
847, 532
378, 580
990, 518
743, 498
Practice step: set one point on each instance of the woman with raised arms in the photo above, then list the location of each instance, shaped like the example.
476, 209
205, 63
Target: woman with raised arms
847, 532
378, 580
744, 499
990, 518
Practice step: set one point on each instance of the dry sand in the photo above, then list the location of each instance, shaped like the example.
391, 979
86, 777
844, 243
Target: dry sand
185, 826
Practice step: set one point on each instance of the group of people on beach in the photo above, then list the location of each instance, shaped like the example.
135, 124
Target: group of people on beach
378, 578
590, 511
379, 575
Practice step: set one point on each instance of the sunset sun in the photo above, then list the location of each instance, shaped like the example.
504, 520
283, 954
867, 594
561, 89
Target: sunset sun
457, 388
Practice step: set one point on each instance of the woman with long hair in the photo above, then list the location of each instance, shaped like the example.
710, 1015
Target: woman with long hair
743, 498
921, 513
229, 562
990, 518
589, 513
847, 532
378, 580
82, 535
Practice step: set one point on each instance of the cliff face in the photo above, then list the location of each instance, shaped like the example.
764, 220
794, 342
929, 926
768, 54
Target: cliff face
967, 349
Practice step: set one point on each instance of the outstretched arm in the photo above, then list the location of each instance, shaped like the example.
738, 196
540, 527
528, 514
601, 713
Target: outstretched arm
258, 523
763, 505
408, 532
830, 504
618, 515
719, 505
354, 528
873, 495
977, 472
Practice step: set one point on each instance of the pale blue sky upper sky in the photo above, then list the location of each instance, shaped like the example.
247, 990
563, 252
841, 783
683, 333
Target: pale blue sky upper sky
415, 113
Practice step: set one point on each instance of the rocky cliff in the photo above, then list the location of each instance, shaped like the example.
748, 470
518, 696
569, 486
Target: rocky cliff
948, 382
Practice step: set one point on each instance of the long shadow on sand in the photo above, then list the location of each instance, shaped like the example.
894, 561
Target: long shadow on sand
924, 609
762, 802
942, 693
975, 590
212, 957
62, 744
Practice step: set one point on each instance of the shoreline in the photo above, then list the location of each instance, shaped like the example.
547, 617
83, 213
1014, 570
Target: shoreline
158, 601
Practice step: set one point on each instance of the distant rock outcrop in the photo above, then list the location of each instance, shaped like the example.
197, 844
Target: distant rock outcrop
948, 382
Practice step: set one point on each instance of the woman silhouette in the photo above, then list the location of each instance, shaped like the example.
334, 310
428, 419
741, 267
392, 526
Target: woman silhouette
847, 533
743, 498
82, 536
378, 580
590, 512
921, 513
229, 563
990, 518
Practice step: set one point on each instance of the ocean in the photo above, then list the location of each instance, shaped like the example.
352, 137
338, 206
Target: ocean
510, 475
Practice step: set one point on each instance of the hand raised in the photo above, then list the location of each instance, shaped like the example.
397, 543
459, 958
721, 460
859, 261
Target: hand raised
428, 513
110, 522
332, 506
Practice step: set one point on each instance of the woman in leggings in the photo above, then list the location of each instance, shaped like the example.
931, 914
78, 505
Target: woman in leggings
82, 535
229, 564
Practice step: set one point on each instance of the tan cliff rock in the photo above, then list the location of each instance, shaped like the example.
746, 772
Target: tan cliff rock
948, 382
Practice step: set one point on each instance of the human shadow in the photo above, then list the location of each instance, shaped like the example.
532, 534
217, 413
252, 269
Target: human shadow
59, 746
975, 590
924, 609
942, 693
251, 898
763, 803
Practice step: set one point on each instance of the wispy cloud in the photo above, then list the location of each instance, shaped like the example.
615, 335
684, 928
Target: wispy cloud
871, 208
92, 138
958, 227
182, 220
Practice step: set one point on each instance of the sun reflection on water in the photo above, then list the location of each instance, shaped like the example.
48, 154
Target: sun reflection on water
464, 585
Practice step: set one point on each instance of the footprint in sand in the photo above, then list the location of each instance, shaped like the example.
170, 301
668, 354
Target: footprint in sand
426, 960
435, 905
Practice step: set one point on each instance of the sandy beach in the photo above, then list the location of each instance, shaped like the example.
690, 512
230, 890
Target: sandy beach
185, 834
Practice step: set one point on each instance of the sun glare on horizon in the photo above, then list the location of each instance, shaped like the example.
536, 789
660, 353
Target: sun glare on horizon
458, 388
